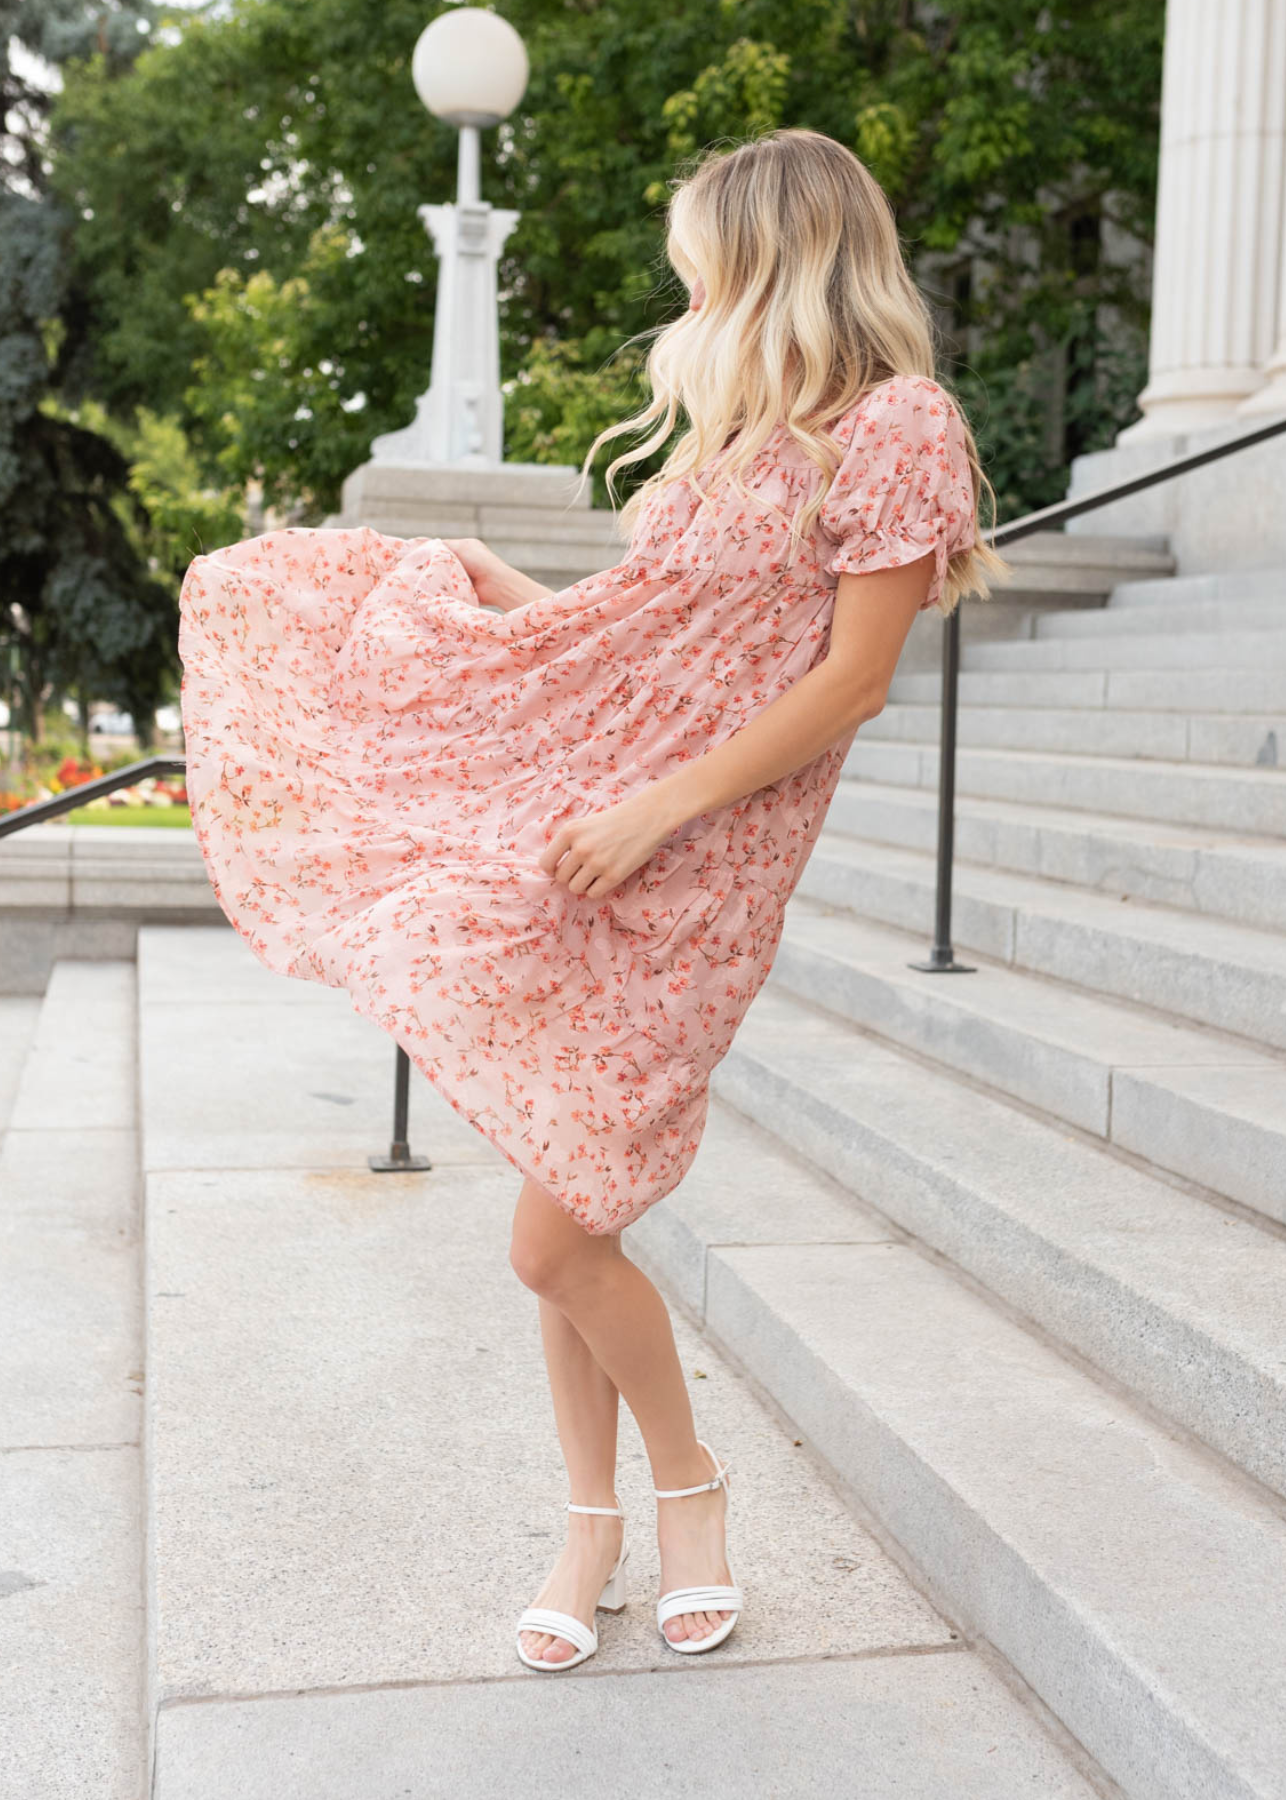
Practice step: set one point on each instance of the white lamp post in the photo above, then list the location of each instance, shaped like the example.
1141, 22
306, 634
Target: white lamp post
469, 68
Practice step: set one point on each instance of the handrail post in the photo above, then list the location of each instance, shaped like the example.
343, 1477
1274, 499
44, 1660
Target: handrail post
941, 957
399, 1156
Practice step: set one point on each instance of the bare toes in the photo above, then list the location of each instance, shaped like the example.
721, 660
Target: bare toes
676, 1629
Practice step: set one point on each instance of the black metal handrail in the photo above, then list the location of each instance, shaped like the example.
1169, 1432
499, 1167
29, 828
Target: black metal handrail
399, 1158
92, 789
941, 956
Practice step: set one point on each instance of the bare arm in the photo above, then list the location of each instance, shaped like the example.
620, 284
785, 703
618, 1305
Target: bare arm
496, 582
873, 614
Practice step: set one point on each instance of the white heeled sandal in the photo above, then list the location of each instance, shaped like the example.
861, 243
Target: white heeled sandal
699, 1599
567, 1625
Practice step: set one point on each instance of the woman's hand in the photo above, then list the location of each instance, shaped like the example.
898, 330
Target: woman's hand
592, 854
495, 582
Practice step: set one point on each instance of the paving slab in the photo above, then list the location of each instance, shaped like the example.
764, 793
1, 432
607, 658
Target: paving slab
182, 965
71, 1626
937, 1727
281, 1086
354, 1476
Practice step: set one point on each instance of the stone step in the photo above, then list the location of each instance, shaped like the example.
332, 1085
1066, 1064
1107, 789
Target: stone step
919, 1727
1207, 1108
1249, 741
1174, 1297
1154, 651
1136, 1581
71, 1374
1179, 793
1232, 588
1173, 615
1204, 970
1050, 567
542, 524
1212, 691
18, 1016
79, 892
556, 487
84, 869
533, 531
1187, 866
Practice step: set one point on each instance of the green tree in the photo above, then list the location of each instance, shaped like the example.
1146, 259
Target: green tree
248, 203
76, 594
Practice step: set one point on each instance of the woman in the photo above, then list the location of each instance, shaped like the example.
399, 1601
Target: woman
545, 839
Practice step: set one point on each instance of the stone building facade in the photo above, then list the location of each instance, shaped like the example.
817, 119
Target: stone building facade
1217, 348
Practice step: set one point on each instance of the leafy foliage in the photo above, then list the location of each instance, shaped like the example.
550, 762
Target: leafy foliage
567, 393
253, 263
76, 593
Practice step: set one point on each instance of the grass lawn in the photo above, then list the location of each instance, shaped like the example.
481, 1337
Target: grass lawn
126, 815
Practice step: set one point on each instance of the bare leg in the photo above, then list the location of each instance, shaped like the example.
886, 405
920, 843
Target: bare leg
622, 1321
585, 1411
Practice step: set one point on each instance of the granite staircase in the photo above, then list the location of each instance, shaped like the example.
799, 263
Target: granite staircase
1005, 1250
1044, 1340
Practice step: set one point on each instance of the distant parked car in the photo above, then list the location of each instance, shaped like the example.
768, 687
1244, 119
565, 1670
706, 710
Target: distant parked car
118, 724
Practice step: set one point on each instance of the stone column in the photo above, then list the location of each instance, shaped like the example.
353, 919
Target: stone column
1270, 396
1221, 237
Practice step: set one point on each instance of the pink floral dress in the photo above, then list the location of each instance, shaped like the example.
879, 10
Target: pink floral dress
375, 764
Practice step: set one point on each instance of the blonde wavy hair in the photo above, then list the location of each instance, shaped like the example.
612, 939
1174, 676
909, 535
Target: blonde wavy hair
808, 304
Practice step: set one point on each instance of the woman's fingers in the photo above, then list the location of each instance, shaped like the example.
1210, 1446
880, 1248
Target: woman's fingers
579, 878
576, 865
594, 853
557, 847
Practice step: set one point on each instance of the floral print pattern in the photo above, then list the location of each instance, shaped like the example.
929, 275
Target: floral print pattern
375, 764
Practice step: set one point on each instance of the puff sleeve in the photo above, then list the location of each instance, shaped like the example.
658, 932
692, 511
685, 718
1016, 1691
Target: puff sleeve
903, 486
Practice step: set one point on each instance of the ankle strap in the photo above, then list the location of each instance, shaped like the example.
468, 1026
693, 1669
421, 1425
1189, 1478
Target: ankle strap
614, 1512
702, 1487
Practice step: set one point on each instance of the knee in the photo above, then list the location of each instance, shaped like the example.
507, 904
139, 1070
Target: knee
554, 1267
552, 1254
539, 1264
